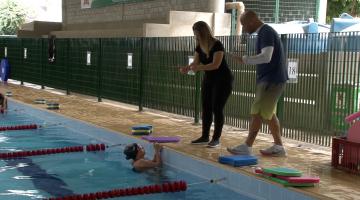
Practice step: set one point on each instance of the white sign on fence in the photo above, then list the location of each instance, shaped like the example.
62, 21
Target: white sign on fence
129, 61
86, 4
88, 58
293, 65
25, 53
191, 60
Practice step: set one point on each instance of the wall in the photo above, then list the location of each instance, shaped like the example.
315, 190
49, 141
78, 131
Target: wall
144, 10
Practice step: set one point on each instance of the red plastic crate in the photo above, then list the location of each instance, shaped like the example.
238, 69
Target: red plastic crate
346, 155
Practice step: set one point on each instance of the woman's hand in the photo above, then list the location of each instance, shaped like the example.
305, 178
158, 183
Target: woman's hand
184, 70
195, 68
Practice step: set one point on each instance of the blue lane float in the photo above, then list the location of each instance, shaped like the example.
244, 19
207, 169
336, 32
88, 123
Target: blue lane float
238, 160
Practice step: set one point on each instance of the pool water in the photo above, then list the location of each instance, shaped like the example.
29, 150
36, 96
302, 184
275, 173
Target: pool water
58, 175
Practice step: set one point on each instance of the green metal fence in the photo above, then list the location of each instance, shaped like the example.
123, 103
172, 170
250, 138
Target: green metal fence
121, 81
164, 87
32, 62
305, 103
13, 47
324, 86
56, 74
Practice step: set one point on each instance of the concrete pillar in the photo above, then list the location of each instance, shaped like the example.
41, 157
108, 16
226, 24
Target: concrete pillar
216, 6
322, 11
240, 9
64, 12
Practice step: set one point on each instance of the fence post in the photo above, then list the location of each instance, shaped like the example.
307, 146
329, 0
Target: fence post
99, 68
67, 66
317, 10
42, 64
22, 60
277, 11
280, 104
197, 97
141, 75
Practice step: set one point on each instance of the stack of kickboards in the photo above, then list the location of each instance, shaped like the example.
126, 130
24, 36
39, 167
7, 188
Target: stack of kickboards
238, 160
40, 101
287, 177
52, 105
142, 129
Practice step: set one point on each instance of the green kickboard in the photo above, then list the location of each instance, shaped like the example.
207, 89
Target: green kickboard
287, 184
282, 171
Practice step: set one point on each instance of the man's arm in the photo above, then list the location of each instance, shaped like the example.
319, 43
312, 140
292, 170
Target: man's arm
264, 57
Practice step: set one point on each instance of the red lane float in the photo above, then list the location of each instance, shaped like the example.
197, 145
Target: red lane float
19, 154
18, 127
175, 186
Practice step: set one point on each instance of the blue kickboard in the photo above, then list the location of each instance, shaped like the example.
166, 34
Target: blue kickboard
142, 127
238, 160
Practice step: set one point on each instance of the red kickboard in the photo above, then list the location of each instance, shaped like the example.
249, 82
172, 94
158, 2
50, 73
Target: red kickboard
301, 179
161, 139
291, 179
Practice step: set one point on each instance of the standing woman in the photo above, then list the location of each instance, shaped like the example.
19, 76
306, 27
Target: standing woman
216, 85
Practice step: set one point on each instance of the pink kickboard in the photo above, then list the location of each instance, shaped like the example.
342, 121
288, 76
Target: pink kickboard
354, 132
291, 179
161, 139
352, 117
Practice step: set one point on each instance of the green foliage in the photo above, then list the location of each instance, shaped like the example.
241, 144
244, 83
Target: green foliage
336, 7
12, 15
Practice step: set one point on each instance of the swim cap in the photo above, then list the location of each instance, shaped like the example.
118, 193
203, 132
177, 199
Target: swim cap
130, 151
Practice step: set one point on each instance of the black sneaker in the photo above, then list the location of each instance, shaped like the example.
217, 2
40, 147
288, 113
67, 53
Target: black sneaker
200, 140
213, 143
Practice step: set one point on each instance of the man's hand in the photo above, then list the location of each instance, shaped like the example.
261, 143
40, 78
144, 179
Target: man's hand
237, 58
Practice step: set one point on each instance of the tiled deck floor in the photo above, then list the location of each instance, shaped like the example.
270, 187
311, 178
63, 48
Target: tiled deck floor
310, 159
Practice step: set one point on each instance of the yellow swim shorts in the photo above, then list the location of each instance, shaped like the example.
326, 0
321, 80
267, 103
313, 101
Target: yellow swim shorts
266, 98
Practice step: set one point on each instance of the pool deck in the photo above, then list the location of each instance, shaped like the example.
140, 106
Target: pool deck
310, 159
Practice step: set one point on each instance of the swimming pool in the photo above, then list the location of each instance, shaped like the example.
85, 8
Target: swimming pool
57, 175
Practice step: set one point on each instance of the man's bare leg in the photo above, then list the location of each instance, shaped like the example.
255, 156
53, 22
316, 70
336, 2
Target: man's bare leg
274, 126
255, 125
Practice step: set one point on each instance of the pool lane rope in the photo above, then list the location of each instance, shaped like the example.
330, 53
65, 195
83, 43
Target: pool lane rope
39, 152
174, 186
215, 181
19, 127
26, 127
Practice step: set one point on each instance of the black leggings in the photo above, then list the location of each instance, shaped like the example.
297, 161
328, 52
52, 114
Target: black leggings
214, 96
